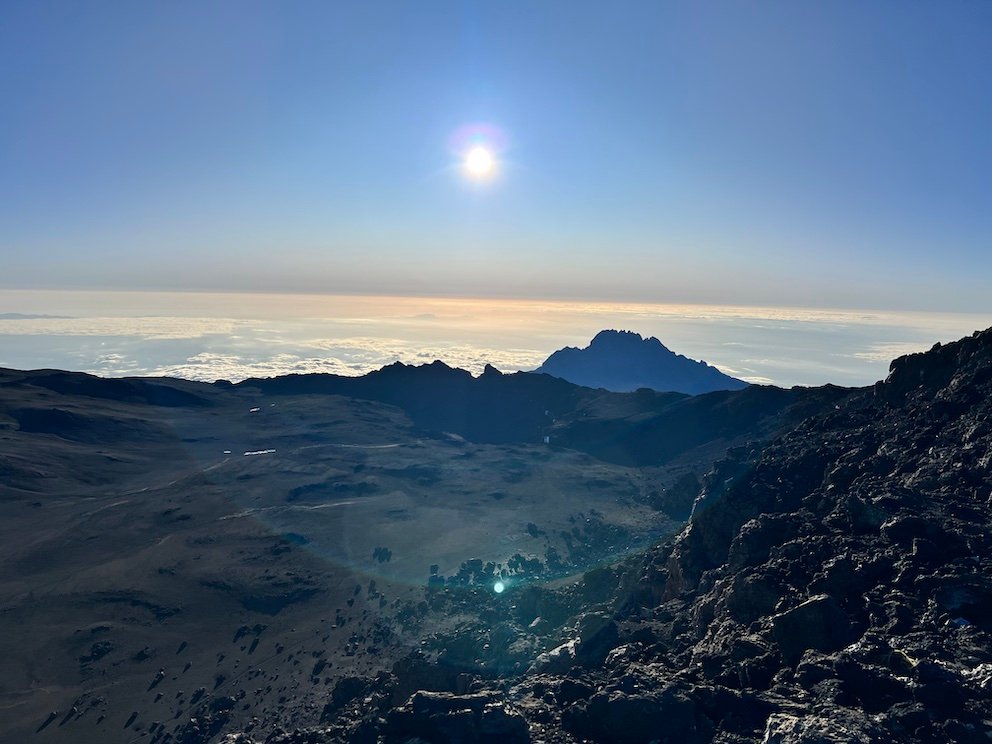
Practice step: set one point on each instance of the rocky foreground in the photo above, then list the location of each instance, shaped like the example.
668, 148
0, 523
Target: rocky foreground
180, 560
835, 586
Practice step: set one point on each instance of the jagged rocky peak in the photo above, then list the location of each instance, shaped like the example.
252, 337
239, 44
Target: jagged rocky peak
624, 361
614, 337
948, 367
436, 369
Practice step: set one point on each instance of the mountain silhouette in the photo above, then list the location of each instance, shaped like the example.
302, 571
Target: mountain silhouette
623, 361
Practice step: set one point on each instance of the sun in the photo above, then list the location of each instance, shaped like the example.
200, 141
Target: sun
479, 162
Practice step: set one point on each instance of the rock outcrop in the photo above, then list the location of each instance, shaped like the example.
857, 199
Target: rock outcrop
836, 588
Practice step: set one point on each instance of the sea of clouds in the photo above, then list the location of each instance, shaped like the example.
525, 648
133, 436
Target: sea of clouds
209, 337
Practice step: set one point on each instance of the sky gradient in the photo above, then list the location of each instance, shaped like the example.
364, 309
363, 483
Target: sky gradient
804, 154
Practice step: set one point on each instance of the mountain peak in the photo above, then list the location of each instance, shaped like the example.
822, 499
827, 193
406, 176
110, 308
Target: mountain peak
623, 361
611, 337
610, 334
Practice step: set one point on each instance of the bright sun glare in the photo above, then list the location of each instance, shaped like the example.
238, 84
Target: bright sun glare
479, 162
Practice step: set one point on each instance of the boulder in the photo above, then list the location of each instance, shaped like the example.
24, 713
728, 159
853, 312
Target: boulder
838, 726
459, 719
818, 623
345, 690
618, 718
598, 635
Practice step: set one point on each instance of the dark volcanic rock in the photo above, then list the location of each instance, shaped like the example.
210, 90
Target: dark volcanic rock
847, 567
818, 623
837, 581
664, 715
833, 727
460, 719
832, 586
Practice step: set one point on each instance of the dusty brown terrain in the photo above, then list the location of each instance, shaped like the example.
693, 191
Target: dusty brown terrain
169, 546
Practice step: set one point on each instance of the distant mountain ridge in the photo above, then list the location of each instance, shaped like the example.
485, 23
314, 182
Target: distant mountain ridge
624, 361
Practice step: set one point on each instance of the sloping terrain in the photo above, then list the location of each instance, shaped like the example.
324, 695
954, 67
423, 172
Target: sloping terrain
643, 428
658, 427
832, 587
233, 554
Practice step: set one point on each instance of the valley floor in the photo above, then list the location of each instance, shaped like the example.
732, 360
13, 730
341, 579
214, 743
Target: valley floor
256, 550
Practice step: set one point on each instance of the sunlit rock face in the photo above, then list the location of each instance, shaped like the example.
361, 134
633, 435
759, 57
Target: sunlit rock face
623, 361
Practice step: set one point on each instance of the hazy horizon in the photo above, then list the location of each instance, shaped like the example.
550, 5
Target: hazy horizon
210, 336
796, 193
732, 180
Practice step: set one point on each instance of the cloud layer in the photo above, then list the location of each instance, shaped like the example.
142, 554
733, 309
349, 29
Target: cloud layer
210, 337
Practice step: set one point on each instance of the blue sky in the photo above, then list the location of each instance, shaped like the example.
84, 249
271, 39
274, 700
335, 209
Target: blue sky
809, 154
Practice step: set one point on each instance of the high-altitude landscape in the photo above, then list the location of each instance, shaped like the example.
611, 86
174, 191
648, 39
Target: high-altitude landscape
169, 544
495, 372
423, 555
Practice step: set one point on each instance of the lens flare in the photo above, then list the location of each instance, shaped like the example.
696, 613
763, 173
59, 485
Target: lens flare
498, 587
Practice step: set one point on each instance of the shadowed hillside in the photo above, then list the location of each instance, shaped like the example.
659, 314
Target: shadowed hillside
318, 559
642, 428
833, 587
181, 559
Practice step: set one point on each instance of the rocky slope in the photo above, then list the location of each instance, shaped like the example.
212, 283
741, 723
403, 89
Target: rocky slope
832, 586
835, 586
623, 361
179, 559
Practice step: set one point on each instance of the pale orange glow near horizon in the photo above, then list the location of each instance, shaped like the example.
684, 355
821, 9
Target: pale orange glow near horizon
232, 335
